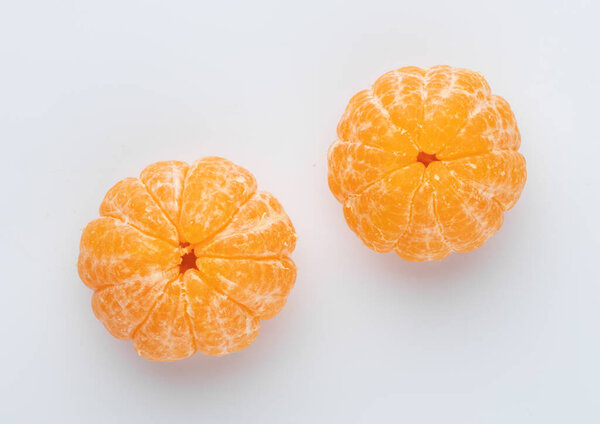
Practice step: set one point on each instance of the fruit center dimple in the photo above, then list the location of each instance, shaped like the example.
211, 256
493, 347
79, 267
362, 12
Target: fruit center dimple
188, 260
426, 159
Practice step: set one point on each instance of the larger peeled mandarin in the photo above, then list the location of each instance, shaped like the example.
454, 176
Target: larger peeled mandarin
426, 162
188, 258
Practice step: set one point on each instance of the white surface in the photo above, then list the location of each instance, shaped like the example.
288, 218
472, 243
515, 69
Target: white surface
91, 92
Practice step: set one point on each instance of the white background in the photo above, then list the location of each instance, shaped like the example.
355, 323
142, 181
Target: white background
91, 92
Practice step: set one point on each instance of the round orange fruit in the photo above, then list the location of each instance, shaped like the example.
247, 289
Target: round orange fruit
188, 258
426, 162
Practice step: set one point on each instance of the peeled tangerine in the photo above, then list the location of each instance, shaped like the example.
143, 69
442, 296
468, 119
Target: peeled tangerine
188, 258
426, 162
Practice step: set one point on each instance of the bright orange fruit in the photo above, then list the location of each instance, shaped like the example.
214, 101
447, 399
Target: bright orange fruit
426, 162
188, 258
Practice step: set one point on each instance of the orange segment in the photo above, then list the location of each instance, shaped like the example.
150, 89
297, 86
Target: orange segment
260, 228
499, 175
422, 240
219, 324
466, 217
451, 97
476, 137
366, 121
166, 335
380, 214
260, 285
129, 201
401, 95
112, 252
122, 308
506, 134
354, 166
215, 188
491, 128
164, 181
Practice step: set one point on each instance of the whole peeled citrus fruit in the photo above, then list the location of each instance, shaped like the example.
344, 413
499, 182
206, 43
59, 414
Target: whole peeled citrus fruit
188, 258
426, 162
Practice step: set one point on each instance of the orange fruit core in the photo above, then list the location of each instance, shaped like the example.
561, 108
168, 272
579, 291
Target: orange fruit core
188, 261
426, 159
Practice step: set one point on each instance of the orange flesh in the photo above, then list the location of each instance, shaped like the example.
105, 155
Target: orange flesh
426, 162
188, 258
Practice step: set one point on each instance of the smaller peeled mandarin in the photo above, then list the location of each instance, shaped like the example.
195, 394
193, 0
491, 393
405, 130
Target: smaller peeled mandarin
188, 258
426, 162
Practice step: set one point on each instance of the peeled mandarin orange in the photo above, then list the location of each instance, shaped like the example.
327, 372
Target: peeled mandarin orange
426, 162
188, 258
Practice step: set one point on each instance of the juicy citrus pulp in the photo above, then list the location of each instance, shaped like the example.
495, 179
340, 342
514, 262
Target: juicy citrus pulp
188, 258
426, 162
